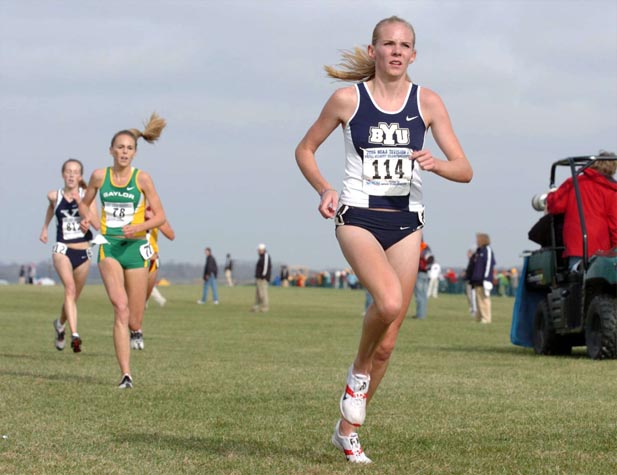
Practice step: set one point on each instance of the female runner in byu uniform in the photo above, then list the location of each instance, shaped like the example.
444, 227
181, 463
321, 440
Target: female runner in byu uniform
71, 253
125, 255
384, 118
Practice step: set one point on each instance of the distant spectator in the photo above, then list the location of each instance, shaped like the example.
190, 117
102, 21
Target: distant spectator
470, 292
502, 284
452, 280
513, 281
421, 288
337, 279
263, 271
352, 280
228, 270
284, 276
209, 277
22, 275
482, 277
31, 274
434, 275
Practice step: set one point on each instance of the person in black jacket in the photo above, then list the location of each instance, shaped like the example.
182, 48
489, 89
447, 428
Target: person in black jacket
482, 277
210, 273
469, 290
263, 271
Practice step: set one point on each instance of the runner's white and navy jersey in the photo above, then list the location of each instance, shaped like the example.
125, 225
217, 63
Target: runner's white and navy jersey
379, 172
68, 220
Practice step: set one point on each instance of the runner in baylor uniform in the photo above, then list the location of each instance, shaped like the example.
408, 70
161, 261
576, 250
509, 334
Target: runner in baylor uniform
124, 255
384, 119
137, 336
71, 253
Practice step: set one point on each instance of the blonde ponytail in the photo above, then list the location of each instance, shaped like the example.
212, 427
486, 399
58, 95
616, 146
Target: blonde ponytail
152, 129
151, 133
357, 65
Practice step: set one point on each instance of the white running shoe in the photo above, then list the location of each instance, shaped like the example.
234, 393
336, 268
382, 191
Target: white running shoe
140, 341
60, 341
350, 445
353, 400
126, 382
137, 340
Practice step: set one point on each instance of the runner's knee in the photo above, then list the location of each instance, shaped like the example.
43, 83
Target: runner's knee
389, 308
70, 291
121, 312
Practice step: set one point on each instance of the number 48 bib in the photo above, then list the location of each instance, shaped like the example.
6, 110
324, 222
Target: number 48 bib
387, 171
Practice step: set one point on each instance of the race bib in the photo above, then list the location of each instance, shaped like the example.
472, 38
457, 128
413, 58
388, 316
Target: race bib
71, 229
146, 251
118, 215
59, 248
387, 171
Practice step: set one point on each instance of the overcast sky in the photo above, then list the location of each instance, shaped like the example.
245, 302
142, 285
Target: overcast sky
525, 83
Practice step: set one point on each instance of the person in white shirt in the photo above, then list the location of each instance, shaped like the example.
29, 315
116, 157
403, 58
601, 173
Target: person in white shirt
434, 273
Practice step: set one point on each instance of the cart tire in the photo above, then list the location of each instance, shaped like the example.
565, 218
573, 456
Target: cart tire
601, 328
545, 340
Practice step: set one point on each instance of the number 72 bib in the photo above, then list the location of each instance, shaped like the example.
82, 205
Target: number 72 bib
387, 171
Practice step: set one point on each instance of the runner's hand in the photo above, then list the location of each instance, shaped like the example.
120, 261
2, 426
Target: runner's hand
425, 159
328, 204
129, 231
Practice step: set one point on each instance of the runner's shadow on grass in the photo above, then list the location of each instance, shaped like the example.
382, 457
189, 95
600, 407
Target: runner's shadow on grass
473, 349
578, 353
24, 356
47, 356
64, 377
230, 449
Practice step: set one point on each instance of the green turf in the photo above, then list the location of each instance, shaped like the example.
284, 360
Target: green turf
220, 390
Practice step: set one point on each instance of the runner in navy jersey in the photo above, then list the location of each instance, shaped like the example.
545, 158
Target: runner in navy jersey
71, 253
384, 119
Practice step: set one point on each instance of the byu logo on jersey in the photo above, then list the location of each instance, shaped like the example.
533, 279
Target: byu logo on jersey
69, 213
388, 134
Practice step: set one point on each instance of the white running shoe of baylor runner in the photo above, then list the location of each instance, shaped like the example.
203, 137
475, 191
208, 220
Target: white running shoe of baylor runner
350, 445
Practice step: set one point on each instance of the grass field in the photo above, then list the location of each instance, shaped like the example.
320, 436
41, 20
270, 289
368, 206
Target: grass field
220, 390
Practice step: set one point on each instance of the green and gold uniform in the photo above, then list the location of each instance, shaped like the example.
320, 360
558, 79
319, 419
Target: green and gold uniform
153, 238
123, 205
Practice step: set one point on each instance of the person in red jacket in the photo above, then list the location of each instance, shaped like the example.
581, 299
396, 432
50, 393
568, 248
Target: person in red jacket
598, 191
